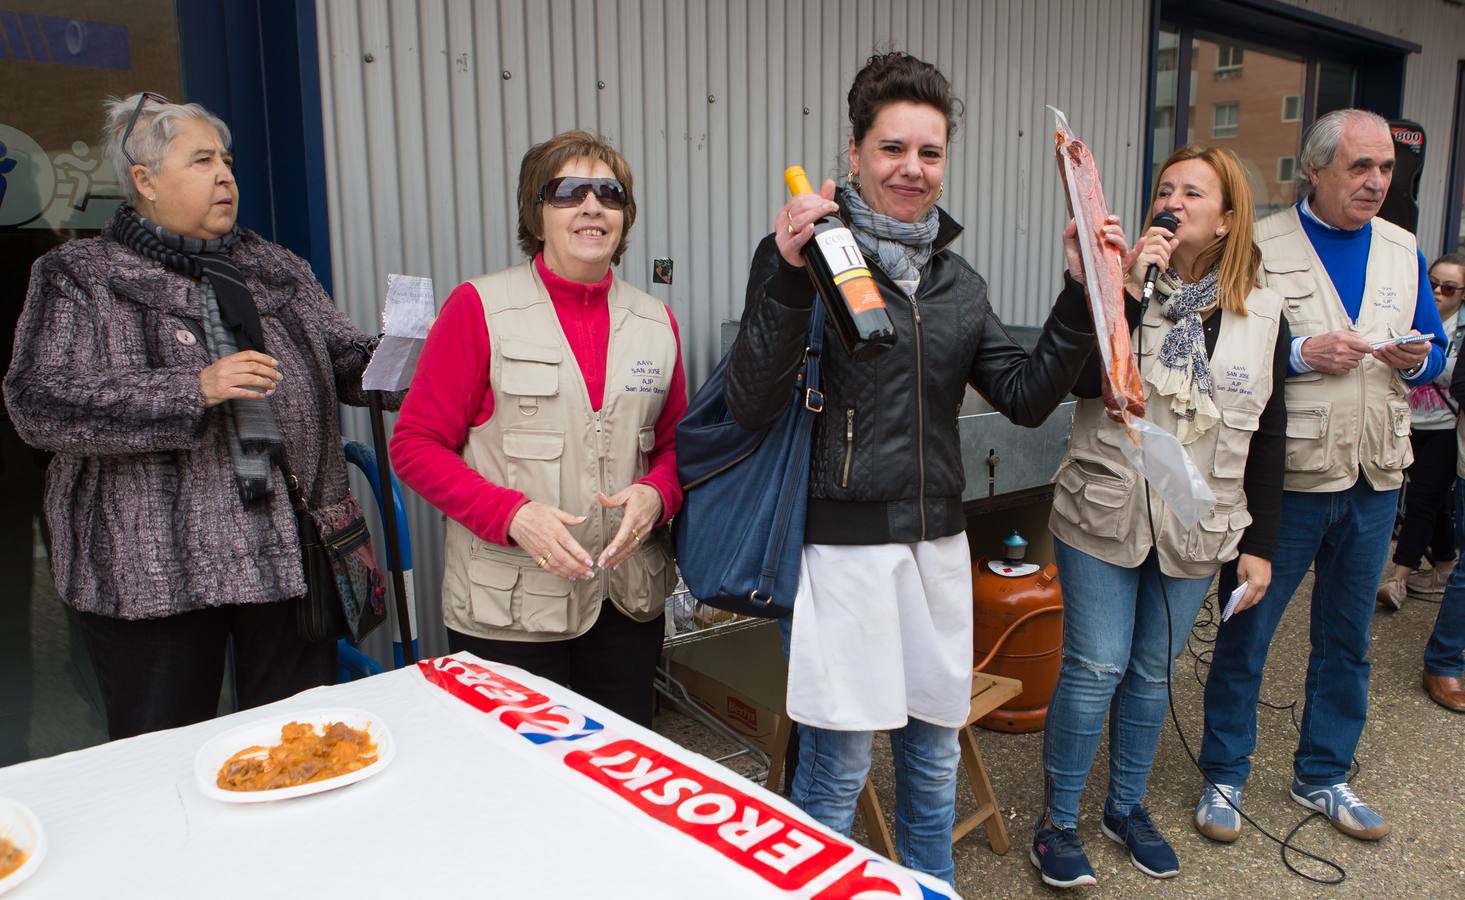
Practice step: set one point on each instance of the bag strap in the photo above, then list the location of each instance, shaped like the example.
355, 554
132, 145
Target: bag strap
813, 351
292, 484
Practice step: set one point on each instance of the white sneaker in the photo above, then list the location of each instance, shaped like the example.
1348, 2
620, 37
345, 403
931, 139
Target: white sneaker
1217, 815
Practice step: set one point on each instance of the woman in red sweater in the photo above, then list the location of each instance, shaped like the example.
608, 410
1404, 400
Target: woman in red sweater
541, 422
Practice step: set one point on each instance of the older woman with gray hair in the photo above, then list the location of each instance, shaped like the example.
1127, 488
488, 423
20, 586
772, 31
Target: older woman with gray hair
168, 364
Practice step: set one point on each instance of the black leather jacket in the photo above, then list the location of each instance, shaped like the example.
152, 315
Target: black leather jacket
886, 457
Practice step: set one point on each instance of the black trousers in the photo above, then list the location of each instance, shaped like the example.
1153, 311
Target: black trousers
614, 663
1429, 501
164, 673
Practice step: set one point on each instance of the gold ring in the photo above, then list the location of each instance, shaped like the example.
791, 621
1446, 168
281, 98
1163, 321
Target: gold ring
791, 230
542, 561
635, 535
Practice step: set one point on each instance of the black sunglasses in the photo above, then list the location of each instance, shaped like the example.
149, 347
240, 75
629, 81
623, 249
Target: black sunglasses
568, 191
1445, 288
132, 122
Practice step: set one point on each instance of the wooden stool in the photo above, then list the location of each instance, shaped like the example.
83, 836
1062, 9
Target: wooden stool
988, 693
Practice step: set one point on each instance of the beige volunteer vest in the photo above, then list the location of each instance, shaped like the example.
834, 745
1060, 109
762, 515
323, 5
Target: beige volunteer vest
1339, 424
1098, 500
545, 440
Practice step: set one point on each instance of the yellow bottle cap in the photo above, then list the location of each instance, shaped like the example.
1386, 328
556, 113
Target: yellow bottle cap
797, 180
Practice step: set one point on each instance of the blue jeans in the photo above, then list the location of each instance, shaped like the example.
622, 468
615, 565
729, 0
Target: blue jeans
1442, 655
1344, 535
1117, 659
833, 767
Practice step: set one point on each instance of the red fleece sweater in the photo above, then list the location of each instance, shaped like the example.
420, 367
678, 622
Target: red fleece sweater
450, 394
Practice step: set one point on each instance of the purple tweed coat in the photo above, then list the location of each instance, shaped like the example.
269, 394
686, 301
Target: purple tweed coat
145, 517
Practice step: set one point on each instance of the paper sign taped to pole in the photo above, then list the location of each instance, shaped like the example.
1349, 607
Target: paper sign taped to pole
406, 317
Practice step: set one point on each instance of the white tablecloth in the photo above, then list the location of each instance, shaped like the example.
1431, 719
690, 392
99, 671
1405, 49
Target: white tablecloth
494, 792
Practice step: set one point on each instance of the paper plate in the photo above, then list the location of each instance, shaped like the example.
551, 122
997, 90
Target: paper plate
20, 825
266, 733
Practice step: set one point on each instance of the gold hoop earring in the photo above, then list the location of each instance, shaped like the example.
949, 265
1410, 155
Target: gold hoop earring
853, 179
940, 191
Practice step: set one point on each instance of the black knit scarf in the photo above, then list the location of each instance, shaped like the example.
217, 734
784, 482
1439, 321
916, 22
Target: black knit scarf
197, 258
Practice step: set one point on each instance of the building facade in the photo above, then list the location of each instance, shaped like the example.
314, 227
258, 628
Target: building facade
379, 137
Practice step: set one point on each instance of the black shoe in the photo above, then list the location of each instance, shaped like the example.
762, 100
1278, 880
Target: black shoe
1149, 852
1058, 854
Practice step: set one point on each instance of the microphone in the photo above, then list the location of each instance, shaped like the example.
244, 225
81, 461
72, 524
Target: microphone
1165, 219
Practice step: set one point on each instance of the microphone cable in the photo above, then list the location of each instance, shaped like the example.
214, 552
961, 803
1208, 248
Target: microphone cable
1285, 844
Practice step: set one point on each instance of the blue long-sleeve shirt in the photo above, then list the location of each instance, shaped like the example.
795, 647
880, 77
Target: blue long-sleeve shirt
1345, 257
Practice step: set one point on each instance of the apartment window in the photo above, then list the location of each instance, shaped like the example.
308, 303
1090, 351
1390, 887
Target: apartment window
1292, 108
1226, 120
1286, 169
1228, 59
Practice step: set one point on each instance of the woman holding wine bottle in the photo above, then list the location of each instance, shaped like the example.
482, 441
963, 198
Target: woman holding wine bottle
881, 634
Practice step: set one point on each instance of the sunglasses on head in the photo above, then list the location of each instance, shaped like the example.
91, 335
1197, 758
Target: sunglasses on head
132, 122
567, 192
1445, 288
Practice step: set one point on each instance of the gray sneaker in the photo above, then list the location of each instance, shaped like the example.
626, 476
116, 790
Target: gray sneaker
1430, 584
1217, 815
1391, 594
1348, 814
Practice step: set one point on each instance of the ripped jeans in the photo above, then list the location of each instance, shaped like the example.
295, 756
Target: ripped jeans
1115, 664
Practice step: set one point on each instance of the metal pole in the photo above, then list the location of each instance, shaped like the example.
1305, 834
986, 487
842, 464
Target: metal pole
389, 518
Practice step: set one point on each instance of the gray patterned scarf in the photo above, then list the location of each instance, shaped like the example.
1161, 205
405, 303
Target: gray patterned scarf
1184, 370
902, 248
230, 323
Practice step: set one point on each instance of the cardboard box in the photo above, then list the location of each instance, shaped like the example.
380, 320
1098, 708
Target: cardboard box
738, 678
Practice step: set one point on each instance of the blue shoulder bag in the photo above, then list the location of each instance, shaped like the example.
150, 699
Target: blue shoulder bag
740, 533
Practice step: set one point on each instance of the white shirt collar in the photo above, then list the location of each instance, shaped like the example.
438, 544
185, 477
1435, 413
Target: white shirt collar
1307, 211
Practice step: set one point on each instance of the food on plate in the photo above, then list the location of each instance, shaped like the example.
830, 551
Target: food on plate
302, 756
11, 857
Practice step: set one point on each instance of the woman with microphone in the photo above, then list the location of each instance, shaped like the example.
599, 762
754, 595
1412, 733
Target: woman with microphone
1212, 350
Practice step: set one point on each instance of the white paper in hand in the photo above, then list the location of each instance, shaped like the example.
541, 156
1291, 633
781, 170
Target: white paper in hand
407, 315
1236, 596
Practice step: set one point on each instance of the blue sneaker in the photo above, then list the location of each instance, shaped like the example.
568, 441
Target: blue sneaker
1058, 854
1215, 817
1348, 814
1147, 850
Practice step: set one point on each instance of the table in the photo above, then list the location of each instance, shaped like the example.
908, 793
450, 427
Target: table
503, 784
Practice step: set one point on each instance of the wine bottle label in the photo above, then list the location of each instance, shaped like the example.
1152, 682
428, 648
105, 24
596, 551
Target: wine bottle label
840, 250
847, 265
860, 290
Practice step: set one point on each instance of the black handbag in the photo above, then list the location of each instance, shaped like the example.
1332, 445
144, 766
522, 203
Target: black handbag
345, 595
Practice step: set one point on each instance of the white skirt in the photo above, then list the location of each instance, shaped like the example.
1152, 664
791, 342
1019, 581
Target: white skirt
882, 633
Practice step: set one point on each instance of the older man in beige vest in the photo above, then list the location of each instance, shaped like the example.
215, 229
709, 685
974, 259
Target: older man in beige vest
1351, 284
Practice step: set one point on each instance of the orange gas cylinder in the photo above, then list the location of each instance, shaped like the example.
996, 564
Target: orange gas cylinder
1017, 612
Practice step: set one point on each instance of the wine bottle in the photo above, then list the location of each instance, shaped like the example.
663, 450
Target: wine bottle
849, 292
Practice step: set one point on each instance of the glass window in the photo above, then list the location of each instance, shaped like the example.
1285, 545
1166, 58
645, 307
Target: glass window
1292, 108
1228, 58
1336, 86
1243, 110
1226, 120
1162, 134
1286, 169
57, 64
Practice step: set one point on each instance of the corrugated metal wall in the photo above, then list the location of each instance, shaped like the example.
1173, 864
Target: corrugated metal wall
430, 105
1429, 86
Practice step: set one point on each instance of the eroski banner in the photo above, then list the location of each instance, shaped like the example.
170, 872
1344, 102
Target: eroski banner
784, 849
